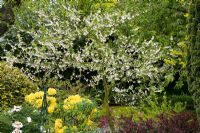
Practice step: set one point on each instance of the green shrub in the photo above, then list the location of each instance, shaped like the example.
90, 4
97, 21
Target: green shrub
153, 106
21, 114
14, 85
184, 99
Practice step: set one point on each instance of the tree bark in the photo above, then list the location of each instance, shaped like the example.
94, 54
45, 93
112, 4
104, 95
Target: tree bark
107, 89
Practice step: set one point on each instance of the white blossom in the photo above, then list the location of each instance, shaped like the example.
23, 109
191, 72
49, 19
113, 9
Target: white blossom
15, 109
29, 119
17, 124
17, 131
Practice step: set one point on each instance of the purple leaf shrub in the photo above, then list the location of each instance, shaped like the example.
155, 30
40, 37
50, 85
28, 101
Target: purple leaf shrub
184, 122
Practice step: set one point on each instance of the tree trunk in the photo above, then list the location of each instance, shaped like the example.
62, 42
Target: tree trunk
107, 89
193, 64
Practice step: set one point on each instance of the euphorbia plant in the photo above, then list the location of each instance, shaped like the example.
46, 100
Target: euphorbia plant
74, 114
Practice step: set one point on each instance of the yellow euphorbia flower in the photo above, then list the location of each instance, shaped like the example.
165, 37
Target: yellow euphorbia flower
38, 103
62, 130
186, 15
58, 123
51, 100
94, 110
51, 91
71, 101
30, 98
67, 107
89, 122
51, 109
58, 126
178, 53
39, 94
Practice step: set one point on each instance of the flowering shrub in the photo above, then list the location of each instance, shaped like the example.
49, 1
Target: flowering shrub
74, 114
78, 114
35, 99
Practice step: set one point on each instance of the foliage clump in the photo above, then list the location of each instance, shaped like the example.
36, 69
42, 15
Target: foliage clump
14, 85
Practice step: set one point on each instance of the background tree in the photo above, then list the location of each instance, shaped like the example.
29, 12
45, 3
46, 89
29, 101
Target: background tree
194, 53
7, 15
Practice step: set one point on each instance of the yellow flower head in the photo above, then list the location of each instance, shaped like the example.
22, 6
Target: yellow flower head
186, 15
89, 122
170, 62
58, 124
39, 94
51, 109
30, 98
62, 130
73, 99
68, 107
51, 100
94, 110
38, 103
51, 91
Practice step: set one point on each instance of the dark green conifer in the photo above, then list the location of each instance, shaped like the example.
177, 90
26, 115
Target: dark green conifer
194, 53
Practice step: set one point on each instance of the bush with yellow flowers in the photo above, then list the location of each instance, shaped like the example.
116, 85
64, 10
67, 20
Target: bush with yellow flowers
73, 114
80, 114
35, 99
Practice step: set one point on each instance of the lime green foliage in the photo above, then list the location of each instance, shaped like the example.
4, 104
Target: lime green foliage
14, 85
153, 106
123, 110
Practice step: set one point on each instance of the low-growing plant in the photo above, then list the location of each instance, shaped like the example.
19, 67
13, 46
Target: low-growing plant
153, 106
25, 115
184, 122
182, 98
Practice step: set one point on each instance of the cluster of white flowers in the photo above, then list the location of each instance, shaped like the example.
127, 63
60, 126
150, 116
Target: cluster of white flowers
15, 109
17, 125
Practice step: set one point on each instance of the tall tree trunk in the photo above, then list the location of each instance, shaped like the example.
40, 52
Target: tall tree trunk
193, 64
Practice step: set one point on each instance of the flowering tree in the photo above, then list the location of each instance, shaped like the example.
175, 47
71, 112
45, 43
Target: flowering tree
104, 42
